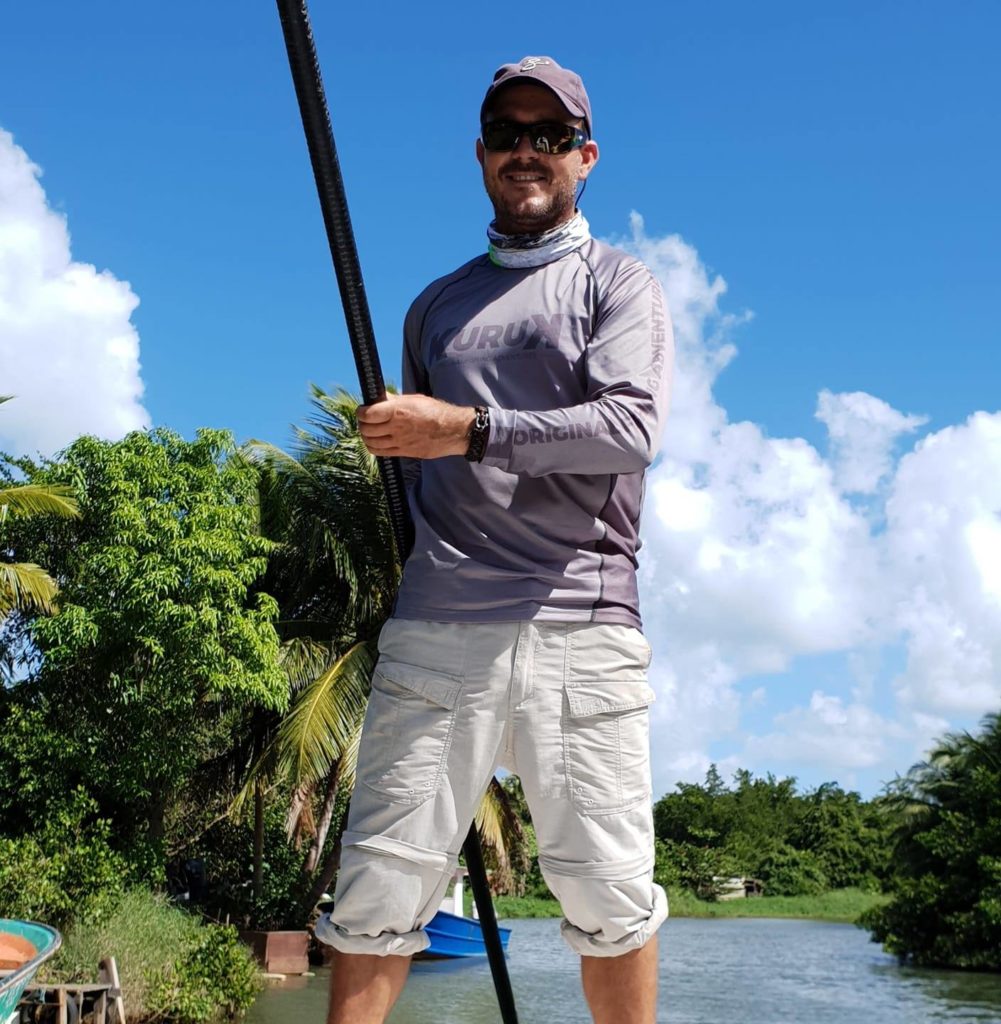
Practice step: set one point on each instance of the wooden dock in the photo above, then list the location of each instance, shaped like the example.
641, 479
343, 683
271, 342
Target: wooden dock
98, 1002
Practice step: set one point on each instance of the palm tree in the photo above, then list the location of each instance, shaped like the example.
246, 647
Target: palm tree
335, 576
25, 586
944, 906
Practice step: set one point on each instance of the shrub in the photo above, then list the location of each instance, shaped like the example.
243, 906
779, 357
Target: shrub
172, 967
215, 979
66, 871
227, 852
665, 869
787, 871
698, 866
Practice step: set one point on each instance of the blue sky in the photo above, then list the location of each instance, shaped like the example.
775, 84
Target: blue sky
837, 166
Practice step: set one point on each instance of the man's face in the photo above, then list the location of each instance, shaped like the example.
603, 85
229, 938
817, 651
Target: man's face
532, 192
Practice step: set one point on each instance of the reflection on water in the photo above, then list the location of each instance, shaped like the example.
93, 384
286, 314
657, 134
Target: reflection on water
712, 972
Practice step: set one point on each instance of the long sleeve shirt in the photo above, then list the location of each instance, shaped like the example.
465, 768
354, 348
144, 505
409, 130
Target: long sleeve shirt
573, 360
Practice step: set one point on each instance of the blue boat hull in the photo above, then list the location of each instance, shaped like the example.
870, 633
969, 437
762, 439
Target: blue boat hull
45, 941
453, 936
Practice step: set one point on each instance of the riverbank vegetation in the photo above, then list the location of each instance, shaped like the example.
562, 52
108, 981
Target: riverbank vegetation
825, 853
945, 909
171, 966
844, 906
187, 631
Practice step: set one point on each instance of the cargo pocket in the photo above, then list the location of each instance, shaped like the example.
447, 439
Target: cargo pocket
408, 731
606, 740
606, 732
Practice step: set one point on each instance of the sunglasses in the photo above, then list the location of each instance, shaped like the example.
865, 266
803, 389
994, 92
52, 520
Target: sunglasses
549, 137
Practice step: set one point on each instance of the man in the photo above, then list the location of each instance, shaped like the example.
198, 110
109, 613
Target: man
535, 389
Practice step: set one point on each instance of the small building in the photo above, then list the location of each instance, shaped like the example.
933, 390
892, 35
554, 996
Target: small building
738, 888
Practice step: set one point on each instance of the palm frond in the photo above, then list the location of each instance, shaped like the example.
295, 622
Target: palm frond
266, 768
26, 587
321, 726
303, 659
38, 499
349, 760
270, 456
501, 834
325, 716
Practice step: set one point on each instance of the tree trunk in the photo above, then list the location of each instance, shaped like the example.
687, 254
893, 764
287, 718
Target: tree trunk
257, 891
326, 816
330, 865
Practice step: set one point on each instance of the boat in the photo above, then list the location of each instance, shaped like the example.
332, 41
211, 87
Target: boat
24, 947
452, 934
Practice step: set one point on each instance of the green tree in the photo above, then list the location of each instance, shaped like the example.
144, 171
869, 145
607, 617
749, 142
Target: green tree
761, 827
787, 871
700, 863
946, 894
836, 828
160, 631
696, 812
765, 811
66, 870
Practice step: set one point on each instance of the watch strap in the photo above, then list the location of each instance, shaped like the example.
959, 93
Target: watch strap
479, 434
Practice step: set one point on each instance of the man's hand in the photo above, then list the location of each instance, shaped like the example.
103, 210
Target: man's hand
415, 426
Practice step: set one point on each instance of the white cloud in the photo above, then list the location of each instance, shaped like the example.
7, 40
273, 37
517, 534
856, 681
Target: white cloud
863, 431
757, 554
943, 540
829, 733
68, 350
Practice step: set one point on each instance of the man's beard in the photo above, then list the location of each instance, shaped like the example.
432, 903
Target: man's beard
534, 215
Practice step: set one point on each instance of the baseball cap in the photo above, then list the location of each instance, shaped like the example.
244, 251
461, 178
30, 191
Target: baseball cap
566, 84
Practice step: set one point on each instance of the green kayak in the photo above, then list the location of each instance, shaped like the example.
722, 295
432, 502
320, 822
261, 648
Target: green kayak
24, 946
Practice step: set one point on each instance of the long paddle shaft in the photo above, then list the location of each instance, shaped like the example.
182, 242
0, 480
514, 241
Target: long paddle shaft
333, 202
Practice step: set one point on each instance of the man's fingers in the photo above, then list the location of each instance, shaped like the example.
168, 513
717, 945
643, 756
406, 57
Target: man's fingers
377, 412
370, 430
384, 450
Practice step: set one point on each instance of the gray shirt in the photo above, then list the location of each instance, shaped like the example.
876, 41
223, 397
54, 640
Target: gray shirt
573, 359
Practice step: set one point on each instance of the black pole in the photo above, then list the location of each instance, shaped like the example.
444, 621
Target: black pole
333, 202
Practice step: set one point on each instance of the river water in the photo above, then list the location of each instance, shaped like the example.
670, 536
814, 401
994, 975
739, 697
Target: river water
723, 971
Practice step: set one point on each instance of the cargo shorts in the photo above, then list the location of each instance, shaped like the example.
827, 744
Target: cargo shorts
565, 706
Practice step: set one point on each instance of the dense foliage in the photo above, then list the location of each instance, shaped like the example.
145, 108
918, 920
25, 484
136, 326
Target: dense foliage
214, 979
157, 633
65, 871
946, 905
226, 858
172, 967
795, 844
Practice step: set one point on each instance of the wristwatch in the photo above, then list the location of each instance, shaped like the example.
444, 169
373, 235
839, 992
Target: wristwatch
479, 432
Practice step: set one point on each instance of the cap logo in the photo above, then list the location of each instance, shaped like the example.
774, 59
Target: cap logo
532, 63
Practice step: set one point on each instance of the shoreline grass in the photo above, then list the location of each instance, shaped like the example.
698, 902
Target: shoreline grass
842, 906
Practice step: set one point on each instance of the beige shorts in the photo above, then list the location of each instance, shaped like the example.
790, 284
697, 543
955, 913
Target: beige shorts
562, 704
